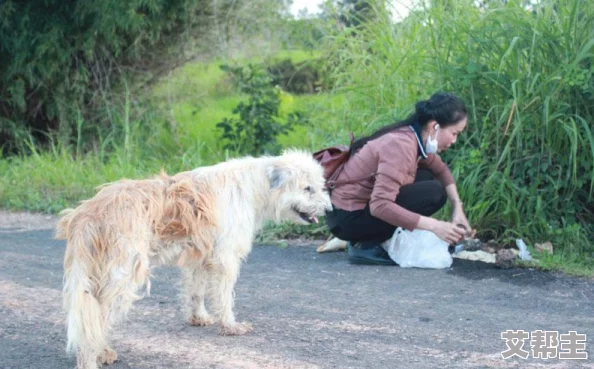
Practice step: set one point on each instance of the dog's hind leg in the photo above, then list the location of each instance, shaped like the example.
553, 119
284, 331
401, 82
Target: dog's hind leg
225, 270
126, 280
95, 323
194, 292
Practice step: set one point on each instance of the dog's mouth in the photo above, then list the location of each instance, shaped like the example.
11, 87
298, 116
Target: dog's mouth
309, 218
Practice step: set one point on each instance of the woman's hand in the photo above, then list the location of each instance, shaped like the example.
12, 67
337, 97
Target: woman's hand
458, 217
449, 232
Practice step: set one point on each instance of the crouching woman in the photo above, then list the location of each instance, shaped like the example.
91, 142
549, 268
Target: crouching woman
395, 178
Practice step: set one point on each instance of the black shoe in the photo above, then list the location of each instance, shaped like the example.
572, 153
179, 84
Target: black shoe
374, 255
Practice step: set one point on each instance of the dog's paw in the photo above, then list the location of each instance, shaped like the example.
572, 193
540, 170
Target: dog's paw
236, 329
201, 321
108, 356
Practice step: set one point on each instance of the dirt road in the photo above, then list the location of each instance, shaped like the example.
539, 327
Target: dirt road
309, 311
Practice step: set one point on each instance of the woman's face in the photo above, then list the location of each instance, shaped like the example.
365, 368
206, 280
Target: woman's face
448, 135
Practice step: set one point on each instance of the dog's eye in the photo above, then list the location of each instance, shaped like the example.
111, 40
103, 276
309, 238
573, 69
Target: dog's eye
308, 189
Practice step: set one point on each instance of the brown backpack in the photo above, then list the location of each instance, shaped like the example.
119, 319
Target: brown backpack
333, 159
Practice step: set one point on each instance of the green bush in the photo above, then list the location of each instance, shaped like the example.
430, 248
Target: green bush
259, 123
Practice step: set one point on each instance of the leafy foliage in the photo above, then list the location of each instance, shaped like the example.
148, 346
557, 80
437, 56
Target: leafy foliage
259, 122
305, 34
298, 78
62, 60
355, 13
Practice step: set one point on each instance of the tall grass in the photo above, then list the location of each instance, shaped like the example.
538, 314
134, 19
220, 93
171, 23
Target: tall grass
525, 166
137, 144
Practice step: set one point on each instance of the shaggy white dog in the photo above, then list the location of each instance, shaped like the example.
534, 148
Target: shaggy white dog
203, 220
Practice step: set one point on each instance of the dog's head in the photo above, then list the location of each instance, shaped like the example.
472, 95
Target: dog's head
297, 183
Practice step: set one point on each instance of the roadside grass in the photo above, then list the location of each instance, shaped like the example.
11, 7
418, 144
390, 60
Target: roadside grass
565, 262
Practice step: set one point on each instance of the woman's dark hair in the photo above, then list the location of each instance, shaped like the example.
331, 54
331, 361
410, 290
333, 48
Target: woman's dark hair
445, 108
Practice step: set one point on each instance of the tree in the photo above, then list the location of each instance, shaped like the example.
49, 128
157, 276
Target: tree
62, 61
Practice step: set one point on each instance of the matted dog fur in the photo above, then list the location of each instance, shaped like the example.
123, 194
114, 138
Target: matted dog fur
203, 220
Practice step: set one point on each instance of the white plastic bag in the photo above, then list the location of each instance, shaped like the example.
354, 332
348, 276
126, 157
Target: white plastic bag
418, 249
524, 253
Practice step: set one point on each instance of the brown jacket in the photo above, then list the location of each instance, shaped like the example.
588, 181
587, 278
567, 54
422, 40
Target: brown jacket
386, 164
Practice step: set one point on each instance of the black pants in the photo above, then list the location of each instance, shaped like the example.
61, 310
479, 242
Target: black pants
425, 196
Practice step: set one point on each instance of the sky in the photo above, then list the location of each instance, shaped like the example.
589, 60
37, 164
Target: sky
312, 6
399, 7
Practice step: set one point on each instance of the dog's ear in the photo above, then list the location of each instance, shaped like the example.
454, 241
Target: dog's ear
278, 175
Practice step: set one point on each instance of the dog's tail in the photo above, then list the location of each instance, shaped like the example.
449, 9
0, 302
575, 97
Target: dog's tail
86, 323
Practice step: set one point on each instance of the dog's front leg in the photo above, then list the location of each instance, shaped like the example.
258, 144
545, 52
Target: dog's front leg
224, 275
195, 281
